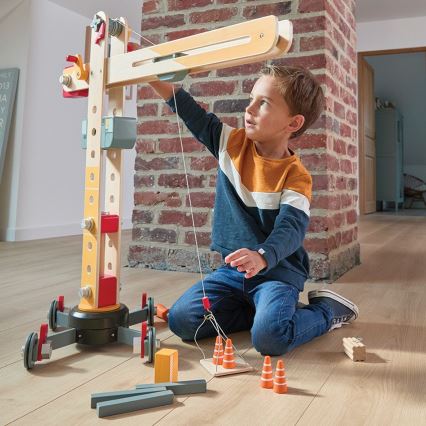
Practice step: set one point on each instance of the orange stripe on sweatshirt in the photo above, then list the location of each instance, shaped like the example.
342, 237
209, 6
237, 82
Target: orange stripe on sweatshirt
260, 174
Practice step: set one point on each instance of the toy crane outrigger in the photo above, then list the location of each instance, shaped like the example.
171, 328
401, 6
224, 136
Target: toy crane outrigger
100, 318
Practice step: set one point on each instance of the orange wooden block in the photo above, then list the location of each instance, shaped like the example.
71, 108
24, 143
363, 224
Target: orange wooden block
166, 366
162, 312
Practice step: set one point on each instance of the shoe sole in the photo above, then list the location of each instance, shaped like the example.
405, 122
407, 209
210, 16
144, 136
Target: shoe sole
313, 294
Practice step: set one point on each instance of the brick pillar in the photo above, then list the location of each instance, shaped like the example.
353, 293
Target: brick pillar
324, 42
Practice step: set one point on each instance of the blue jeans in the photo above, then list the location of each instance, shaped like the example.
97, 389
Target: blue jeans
267, 308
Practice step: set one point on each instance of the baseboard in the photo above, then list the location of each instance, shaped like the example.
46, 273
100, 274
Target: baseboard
42, 232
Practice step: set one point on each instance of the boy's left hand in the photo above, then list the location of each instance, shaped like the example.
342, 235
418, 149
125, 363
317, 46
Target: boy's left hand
248, 261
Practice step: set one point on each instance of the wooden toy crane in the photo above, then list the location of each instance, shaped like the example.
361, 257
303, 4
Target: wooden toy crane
100, 318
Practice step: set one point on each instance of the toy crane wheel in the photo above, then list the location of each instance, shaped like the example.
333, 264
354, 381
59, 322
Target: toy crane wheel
29, 351
151, 311
51, 316
151, 344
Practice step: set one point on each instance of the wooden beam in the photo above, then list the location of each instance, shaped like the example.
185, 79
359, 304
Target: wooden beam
247, 42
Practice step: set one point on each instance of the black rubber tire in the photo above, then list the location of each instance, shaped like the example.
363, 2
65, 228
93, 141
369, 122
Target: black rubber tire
30, 344
151, 344
151, 312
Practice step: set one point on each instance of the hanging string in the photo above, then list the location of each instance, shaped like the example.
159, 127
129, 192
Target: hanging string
184, 165
210, 316
188, 192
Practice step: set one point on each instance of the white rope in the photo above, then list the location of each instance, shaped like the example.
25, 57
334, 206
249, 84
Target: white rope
188, 192
185, 169
210, 317
195, 337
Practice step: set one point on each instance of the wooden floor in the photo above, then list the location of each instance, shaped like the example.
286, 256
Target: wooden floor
325, 387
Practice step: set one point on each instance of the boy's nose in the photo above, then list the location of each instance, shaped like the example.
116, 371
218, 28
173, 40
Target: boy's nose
250, 109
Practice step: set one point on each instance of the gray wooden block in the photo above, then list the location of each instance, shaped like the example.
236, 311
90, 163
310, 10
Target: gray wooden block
180, 388
107, 396
134, 403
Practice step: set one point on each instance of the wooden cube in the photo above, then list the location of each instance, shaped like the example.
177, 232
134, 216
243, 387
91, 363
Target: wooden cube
166, 366
354, 348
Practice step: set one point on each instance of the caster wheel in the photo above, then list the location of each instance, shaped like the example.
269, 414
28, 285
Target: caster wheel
29, 351
151, 344
51, 316
151, 312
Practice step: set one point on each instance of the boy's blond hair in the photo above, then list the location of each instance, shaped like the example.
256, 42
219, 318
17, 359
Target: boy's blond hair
300, 90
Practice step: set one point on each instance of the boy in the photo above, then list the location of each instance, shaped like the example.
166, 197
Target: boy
261, 215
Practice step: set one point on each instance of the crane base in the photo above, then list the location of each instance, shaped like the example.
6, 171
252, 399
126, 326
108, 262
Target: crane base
98, 328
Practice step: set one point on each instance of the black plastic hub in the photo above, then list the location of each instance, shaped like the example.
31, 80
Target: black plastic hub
98, 328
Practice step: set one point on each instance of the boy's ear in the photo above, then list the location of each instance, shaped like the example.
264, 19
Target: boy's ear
296, 123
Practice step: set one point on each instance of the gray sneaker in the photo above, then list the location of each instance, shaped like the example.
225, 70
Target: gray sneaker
344, 310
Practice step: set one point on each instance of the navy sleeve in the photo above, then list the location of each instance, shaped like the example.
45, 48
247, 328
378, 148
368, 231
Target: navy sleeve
206, 127
287, 236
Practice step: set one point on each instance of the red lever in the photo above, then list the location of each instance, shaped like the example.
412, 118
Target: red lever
71, 58
84, 93
60, 303
42, 340
132, 46
101, 33
143, 336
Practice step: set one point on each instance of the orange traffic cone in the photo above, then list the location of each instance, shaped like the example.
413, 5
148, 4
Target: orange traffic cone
218, 351
280, 384
228, 356
266, 381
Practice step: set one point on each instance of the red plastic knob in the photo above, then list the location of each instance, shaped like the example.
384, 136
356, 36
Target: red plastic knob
71, 58
60, 303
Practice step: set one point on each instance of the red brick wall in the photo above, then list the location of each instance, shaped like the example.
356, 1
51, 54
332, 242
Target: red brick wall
324, 42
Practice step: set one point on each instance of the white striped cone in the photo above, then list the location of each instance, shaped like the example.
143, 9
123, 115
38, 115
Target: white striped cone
228, 356
266, 380
218, 351
280, 383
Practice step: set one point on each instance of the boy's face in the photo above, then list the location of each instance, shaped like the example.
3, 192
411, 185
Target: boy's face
267, 117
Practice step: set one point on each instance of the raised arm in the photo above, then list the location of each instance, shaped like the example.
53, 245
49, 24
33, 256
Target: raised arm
206, 127
163, 89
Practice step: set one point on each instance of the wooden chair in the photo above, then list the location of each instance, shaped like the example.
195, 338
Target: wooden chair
414, 189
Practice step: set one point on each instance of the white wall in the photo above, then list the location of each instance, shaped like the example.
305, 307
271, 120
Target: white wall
14, 15
48, 161
391, 34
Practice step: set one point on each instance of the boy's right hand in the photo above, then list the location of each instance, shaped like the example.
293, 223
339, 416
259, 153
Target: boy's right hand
165, 90
249, 261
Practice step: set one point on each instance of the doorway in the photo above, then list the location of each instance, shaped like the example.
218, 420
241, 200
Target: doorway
392, 131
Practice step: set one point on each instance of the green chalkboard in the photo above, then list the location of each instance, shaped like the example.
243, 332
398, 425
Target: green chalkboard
8, 85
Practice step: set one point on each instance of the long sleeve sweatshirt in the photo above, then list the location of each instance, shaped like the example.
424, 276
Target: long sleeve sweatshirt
260, 203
